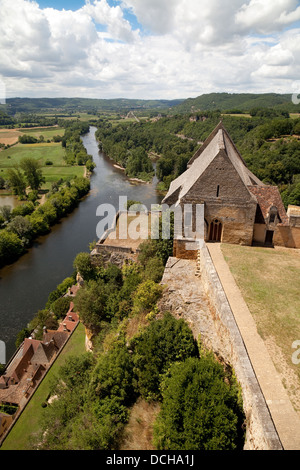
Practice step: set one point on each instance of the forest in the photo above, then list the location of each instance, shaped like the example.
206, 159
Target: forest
268, 140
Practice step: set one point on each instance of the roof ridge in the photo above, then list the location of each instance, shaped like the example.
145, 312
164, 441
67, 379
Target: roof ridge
205, 143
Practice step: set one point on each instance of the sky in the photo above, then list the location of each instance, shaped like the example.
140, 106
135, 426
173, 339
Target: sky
148, 49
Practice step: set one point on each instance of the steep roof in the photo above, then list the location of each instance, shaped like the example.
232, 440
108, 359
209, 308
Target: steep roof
268, 196
219, 140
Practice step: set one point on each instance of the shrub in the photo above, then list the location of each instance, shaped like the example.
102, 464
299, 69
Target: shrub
146, 296
199, 410
165, 341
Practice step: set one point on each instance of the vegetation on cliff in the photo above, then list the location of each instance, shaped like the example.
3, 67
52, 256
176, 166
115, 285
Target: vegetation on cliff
138, 353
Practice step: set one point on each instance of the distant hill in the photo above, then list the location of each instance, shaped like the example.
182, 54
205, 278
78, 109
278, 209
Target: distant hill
66, 105
243, 102
236, 101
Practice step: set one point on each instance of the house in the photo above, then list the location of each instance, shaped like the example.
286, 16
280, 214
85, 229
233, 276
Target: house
238, 207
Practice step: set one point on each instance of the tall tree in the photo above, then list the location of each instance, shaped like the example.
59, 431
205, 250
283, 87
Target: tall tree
16, 181
33, 173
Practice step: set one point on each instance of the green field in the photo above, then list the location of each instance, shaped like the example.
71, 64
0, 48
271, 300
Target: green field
42, 152
47, 132
28, 423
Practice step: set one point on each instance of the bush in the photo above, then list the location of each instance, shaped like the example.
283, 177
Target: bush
83, 264
146, 296
61, 306
165, 341
11, 247
154, 269
199, 410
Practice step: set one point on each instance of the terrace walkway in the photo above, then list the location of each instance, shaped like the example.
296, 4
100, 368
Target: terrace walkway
285, 418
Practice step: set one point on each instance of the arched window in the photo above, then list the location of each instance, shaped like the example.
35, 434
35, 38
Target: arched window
215, 231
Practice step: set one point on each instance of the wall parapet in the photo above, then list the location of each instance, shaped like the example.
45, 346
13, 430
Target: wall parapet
261, 432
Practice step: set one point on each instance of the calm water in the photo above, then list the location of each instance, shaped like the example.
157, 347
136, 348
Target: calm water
26, 284
8, 200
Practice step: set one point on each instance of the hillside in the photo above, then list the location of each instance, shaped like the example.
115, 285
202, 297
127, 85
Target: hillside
69, 105
243, 102
235, 101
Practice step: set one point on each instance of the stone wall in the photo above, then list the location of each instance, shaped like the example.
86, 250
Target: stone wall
287, 236
106, 254
261, 433
180, 249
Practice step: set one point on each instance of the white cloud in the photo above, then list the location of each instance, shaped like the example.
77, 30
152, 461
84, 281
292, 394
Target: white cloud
190, 47
112, 17
266, 16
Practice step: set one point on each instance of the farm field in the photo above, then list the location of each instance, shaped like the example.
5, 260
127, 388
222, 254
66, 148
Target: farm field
11, 136
269, 280
43, 152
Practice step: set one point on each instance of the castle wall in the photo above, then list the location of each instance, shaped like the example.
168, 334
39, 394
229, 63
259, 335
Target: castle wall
287, 236
261, 432
237, 221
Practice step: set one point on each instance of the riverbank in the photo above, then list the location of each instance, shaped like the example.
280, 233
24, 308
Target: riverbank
18, 235
25, 284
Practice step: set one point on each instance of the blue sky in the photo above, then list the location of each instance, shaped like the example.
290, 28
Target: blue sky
77, 4
148, 49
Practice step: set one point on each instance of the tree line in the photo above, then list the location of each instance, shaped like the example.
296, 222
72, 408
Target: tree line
20, 226
268, 141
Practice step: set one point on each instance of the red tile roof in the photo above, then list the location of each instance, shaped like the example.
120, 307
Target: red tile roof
268, 196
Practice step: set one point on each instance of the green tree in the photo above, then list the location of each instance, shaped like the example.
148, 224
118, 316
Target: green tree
165, 341
11, 247
61, 306
154, 269
33, 173
199, 410
90, 302
146, 296
25, 333
21, 226
83, 264
16, 181
5, 212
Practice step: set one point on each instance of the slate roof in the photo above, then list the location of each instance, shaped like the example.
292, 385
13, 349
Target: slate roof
219, 140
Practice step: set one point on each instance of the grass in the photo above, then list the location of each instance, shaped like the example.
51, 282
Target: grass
42, 152
138, 433
47, 132
269, 280
28, 423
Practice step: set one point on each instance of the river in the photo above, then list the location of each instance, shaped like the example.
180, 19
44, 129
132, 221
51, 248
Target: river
26, 284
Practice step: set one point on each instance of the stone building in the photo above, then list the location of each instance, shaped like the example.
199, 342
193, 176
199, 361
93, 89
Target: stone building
238, 207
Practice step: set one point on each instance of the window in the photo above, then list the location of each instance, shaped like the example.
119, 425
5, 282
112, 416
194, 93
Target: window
215, 231
272, 214
218, 191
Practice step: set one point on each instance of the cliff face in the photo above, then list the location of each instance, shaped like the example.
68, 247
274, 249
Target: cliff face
201, 301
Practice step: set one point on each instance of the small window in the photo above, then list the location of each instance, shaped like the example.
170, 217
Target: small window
272, 218
218, 191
